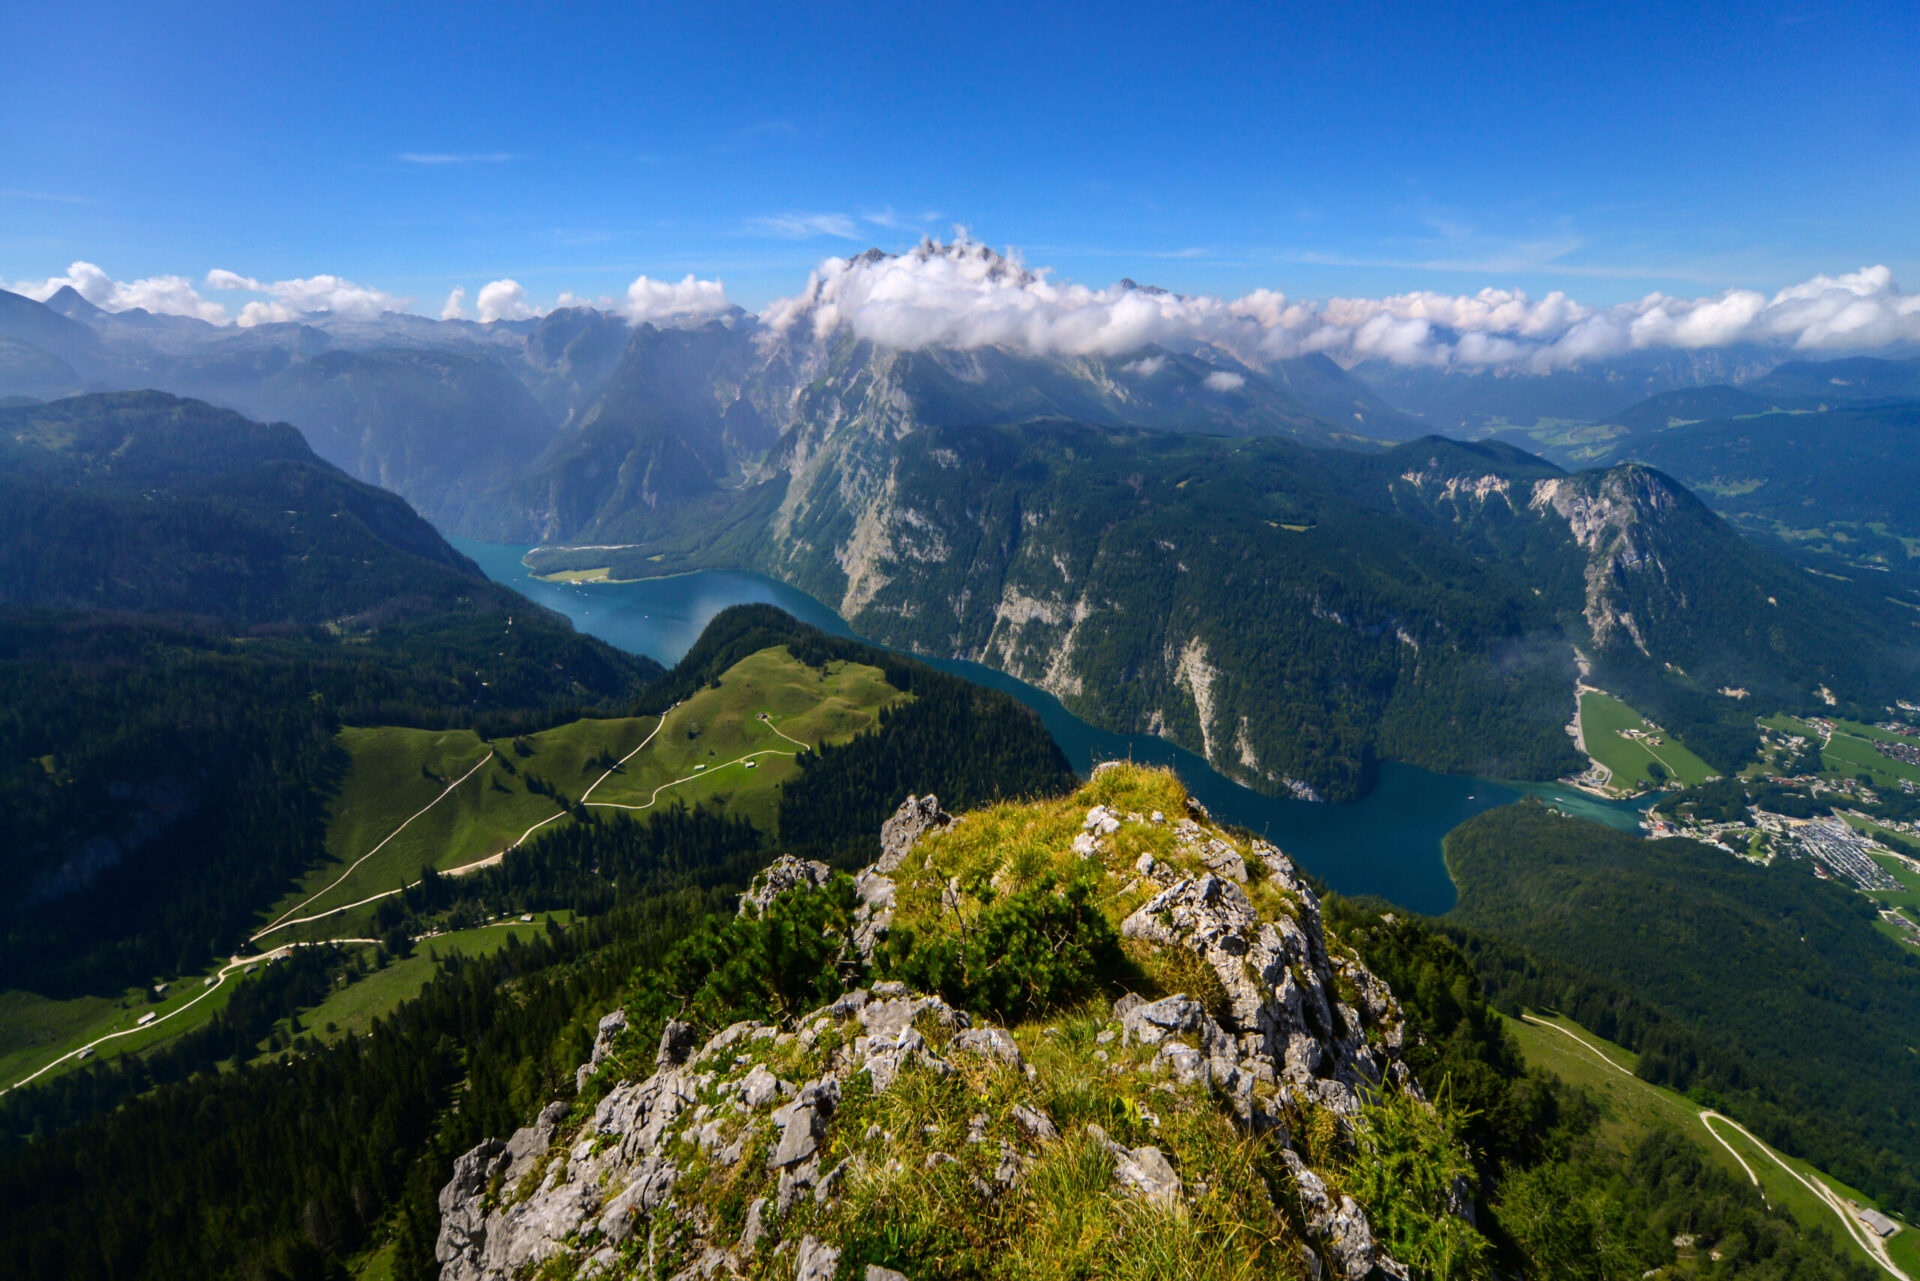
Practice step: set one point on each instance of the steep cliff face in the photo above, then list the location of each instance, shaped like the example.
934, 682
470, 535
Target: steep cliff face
1613, 517
1215, 1125
1292, 614
1649, 578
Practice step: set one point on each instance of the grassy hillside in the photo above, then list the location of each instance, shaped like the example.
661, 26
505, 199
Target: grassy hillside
1849, 749
1704, 960
1631, 1108
359, 1002
449, 800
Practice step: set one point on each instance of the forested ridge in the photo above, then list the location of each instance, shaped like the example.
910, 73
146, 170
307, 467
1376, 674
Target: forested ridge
1557, 1199
1761, 989
144, 502
163, 780
191, 605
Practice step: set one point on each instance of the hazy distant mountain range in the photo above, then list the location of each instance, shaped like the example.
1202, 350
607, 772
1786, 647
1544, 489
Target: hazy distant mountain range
1158, 535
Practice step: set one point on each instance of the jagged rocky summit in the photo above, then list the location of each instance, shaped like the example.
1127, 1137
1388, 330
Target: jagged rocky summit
844, 1143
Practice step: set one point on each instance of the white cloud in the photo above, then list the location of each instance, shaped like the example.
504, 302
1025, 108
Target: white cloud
163, 295
1224, 380
291, 299
504, 300
963, 295
659, 300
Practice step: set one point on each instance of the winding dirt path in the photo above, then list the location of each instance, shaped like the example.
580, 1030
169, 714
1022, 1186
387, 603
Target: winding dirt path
283, 921
709, 772
1874, 1247
288, 919
234, 963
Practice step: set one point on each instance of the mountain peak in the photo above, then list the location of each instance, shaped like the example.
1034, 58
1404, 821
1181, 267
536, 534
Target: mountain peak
68, 302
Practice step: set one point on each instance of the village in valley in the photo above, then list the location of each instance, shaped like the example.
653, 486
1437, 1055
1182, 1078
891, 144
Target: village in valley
1843, 796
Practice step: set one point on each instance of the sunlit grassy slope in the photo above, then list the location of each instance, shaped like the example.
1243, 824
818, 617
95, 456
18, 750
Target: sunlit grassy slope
35, 1030
354, 1007
414, 798
1631, 1107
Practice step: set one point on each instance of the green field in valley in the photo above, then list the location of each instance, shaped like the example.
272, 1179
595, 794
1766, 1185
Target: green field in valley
1605, 725
1849, 751
452, 800
1631, 1107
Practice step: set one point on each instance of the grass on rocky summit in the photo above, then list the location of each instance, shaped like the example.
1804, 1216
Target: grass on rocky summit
1014, 846
924, 1155
921, 1158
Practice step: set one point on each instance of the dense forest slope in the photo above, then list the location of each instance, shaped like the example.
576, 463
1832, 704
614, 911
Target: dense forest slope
192, 604
1762, 986
1839, 478
143, 502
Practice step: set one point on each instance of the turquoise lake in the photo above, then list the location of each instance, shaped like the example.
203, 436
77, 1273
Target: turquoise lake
1387, 843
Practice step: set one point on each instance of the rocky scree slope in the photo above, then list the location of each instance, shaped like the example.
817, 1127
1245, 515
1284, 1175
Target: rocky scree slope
1213, 1126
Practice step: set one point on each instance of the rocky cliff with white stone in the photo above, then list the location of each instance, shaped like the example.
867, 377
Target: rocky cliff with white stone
844, 1141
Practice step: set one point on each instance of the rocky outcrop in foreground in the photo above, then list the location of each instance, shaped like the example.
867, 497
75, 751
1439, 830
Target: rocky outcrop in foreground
846, 1142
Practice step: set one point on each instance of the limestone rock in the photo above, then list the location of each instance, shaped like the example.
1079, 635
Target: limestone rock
1146, 1172
610, 1026
463, 1225
677, 1041
1282, 1002
804, 1122
1342, 1224
916, 816
874, 915
1035, 1124
785, 873
815, 1261
989, 1043
1152, 1023
756, 1228
760, 1087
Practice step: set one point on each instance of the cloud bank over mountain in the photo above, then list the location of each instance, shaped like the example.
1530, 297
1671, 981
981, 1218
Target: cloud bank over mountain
964, 295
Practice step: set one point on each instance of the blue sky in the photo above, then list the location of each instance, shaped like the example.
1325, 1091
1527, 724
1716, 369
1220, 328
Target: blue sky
1607, 150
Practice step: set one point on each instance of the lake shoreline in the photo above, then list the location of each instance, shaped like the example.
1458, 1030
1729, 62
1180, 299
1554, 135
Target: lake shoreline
1387, 843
